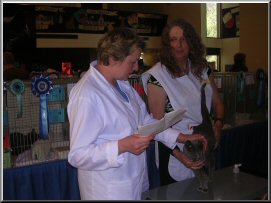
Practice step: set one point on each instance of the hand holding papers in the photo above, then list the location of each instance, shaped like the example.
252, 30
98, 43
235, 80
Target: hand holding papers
158, 126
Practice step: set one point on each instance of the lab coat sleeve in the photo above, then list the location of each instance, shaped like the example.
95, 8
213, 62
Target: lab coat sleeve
167, 137
86, 124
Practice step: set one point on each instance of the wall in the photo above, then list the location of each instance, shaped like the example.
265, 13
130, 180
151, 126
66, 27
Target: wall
189, 11
254, 34
253, 40
230, 46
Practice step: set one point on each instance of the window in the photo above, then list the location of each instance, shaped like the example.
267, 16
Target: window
213, 58
212, 31
212, 20
212, 61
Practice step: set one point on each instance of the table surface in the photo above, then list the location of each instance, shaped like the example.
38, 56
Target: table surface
225, 186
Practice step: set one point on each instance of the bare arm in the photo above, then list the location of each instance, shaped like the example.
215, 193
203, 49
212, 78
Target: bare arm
218, 108
156, 100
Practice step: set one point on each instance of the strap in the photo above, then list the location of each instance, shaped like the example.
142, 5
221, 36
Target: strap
204, 111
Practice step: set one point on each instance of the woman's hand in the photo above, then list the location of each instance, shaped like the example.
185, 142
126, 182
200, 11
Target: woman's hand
135, 143
186, 161
182, 138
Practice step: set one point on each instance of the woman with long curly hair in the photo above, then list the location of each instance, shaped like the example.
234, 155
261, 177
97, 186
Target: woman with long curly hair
175, 83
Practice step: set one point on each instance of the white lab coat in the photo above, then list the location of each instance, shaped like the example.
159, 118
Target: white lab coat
99, 117
183, 93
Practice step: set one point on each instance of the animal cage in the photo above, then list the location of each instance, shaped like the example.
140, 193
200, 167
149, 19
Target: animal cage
226, 84
240, 95
22, 125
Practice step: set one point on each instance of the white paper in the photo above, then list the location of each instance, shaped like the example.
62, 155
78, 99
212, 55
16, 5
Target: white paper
158, 126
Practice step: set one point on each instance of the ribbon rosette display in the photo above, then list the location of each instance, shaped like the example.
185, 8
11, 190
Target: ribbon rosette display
41, 87
17, 88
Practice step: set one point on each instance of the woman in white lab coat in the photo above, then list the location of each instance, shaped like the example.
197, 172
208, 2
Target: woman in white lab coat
104, 112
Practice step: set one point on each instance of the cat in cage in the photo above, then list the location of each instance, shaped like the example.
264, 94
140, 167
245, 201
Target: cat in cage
20, 142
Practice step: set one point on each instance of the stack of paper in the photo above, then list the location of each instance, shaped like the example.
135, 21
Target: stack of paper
160, 125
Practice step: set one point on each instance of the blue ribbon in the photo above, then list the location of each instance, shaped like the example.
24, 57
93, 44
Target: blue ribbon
42, 86
17, 88
44, 120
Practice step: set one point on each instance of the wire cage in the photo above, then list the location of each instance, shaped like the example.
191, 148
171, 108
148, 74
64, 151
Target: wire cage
22, 125
240, 92
226, 84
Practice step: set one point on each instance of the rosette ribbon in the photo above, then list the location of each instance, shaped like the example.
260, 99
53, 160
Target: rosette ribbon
41, 87
17, 88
